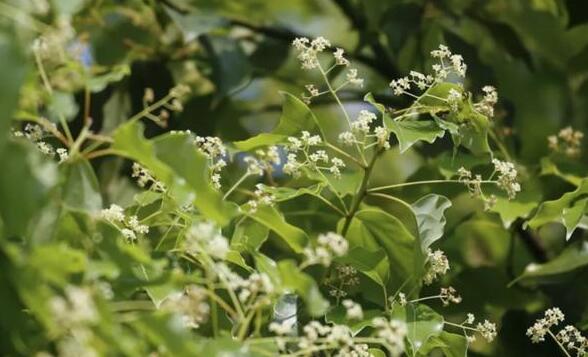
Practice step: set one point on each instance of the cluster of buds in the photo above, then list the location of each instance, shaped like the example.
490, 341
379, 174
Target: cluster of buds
170, 103
438, 265
145, 178
489, 100
301, 154
353, 310
129, 226
567, 141
449, 296
341, 280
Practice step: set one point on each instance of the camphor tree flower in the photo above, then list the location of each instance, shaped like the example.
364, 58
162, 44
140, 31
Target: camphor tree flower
569, 339
568, 141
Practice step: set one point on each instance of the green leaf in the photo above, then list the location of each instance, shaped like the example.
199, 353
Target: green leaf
567, 210
56, 262
521, 207
62, 104
80, 187
429, 211
410, 132
195, 23
13, 71
231, 70
249, 235
473, 129
293, 236
338, 316
296, 117
175, 161
97, 83
287, 193
422, 324
374, 264
24, 186
295, 280
374, 229
179, 153
572, 258
452, 345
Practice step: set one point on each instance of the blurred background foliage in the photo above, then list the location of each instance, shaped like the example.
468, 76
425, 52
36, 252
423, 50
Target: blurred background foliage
236, 57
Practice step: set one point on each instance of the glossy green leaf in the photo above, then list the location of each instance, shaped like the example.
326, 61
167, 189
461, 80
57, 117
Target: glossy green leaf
568, 210
293, 236
429, 211
374, 264
374, 229
572, 258
231, 70
296, 281
13, 70
24, 186
296, 117
80, 190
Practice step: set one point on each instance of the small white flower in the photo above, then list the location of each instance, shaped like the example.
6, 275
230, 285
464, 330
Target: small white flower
353, 310
353, 78
339, 59
114, 213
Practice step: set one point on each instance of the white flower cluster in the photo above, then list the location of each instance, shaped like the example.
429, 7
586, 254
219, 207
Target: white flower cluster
36, 134
449, 295
568, 141
191, 305
338, 338
507, 177
448, 63
393, 332
571, 338
361, 130
353, 310
438, 266
206, 237
300, 155
541, 327
263, 162
308, 52
255, 291
329, 245
261, 197
75, 309
145, 178
130, 226
212, 147
486, 105
486, 328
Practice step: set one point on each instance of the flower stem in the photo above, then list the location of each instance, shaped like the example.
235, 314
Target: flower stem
416, 183
361, 192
